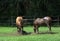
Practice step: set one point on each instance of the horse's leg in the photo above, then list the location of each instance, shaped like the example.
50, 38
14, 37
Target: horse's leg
21, 29
37, 31
34, 28
49, 26
18, 29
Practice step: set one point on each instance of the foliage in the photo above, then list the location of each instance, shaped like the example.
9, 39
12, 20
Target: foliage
32, 8
29, 7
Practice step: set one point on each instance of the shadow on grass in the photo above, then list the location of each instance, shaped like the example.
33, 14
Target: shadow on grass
25, 33
47, 32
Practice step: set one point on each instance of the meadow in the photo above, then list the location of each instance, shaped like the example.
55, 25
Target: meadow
10, 34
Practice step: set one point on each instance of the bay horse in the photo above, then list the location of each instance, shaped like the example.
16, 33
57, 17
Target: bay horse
19, 24
39, 21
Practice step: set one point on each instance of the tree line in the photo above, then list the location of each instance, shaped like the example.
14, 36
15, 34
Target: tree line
32, 8
29, 7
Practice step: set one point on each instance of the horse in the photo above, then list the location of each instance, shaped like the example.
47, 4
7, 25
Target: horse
39, 21
19, 24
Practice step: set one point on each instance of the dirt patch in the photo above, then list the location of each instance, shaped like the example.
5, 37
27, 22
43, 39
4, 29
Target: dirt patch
9, 34
14, 34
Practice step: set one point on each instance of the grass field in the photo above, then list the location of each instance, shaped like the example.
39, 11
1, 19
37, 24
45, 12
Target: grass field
10, 34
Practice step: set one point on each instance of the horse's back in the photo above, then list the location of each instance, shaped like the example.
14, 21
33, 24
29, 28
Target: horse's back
19, 20
47, 18
39, 21
42, 20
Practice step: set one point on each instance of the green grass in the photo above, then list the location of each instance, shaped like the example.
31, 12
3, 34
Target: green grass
10, 34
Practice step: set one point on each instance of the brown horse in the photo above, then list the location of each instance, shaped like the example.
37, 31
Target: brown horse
19, 24
37, 22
